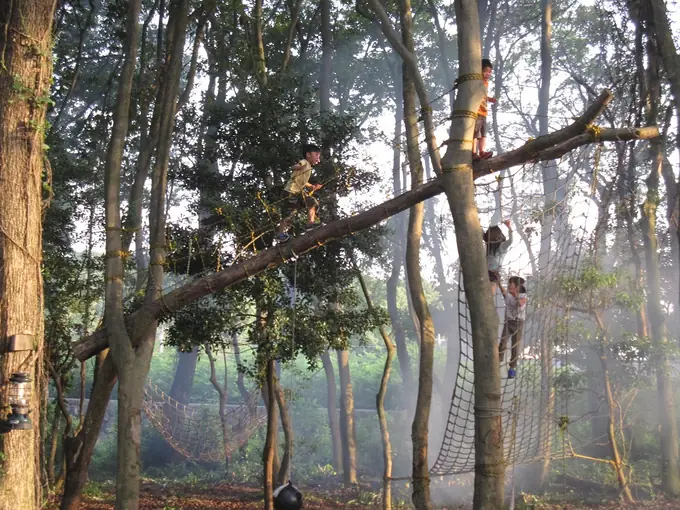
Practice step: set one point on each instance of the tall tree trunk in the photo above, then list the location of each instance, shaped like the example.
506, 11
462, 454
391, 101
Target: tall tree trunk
425, 327
668, 433
380, 403
550, 186
122, 354
26, 42
331, 405
459, 188
270, 442
347, 425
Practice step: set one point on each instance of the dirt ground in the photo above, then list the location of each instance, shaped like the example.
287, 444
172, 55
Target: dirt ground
156, 496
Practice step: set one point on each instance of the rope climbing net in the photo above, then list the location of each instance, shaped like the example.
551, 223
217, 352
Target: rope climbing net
198, 432
549, 211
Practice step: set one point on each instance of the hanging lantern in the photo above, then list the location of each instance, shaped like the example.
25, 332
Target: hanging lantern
19, 396
287, 497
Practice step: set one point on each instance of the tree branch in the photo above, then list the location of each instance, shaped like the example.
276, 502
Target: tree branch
551, 145
60, 398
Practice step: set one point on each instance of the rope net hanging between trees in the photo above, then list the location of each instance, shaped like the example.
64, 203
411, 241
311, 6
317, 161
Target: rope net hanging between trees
196, 432
550, 220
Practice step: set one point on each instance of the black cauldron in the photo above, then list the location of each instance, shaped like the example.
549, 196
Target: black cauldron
287, 497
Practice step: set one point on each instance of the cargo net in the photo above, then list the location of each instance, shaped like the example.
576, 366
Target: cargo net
549, 217
198, 432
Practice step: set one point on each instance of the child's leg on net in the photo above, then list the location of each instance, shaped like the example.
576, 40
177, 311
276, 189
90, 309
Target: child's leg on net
517, 332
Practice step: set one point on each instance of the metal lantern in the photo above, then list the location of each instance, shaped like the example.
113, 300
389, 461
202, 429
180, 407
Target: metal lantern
19, 396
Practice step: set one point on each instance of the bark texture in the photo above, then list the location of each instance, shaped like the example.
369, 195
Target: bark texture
347, 425
270, 442
25, 72
332, 407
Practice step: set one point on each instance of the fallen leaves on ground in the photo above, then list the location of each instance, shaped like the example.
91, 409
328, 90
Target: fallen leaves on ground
225, 496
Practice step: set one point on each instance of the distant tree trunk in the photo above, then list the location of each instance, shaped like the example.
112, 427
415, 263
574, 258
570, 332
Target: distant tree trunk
347, 426
287, 424
331, 405
184, 376
240, 380
26, 42
180, 391
598, 422
611, 415
398, 249
380, 403
550, 186
222, 392
444, 288
270, 442
54, 443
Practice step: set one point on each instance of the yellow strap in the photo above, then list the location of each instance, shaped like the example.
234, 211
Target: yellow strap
464, 113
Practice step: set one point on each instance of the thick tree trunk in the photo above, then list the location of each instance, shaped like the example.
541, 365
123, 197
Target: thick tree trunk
459, 187
26, 42
347, 426
78, 450
270, 442
331, 405
122, 354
